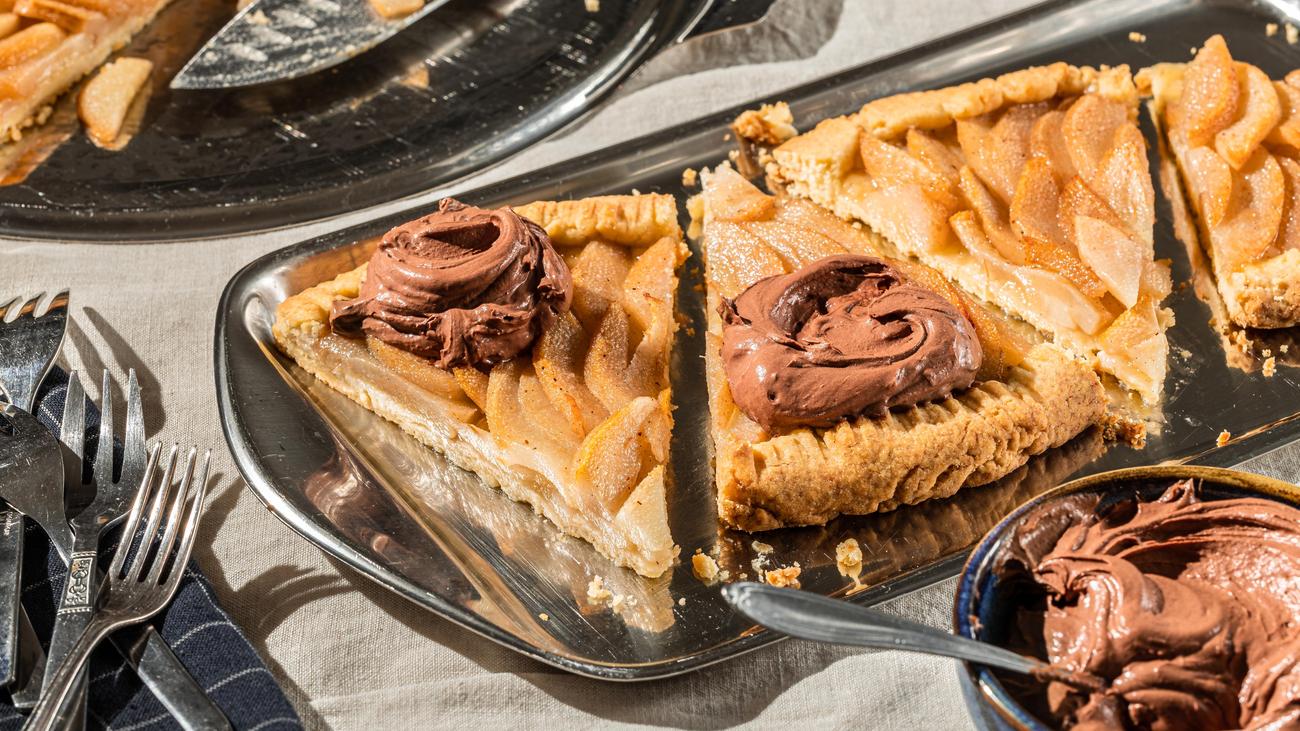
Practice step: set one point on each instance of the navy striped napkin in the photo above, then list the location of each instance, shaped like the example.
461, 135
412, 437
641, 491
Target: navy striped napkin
198, 630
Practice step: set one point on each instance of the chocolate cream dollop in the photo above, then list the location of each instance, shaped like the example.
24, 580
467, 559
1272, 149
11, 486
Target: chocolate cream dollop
463, 286
843, 336
1190, 608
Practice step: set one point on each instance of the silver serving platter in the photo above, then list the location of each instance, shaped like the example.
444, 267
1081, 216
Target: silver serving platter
372, 497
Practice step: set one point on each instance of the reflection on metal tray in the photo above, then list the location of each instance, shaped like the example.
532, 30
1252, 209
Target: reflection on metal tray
374, 498
463, 88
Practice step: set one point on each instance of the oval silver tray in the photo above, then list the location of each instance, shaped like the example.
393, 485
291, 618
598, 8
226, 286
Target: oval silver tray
398, 513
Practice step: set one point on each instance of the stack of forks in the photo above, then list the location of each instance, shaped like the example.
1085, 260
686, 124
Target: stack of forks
45, 478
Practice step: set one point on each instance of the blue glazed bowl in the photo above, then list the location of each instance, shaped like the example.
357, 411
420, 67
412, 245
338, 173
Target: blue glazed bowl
985, 604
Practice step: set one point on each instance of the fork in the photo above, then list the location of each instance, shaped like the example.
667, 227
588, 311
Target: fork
108, 505
128, 594
29, 342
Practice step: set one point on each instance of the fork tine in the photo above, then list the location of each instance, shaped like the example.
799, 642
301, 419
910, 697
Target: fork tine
133, 443
137, 509
58, 303
156, 512
73, 431
29, 307
104, 450
9, 305
178, 506
190, 528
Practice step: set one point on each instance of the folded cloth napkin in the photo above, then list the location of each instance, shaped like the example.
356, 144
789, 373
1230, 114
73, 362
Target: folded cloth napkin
195, 626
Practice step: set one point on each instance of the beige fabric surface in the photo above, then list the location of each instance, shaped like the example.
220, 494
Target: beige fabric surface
352, 656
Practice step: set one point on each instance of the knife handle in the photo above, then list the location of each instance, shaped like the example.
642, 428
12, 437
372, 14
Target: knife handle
11, 589
163, 673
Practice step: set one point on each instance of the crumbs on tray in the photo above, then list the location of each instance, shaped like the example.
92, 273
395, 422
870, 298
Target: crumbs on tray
787, 577
848, 557
1224, 437
1137, 37
704, 567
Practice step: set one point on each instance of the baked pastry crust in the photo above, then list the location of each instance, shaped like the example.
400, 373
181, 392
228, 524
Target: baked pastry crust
579, 428
864, 465
1261, 288
51, 44
954, 202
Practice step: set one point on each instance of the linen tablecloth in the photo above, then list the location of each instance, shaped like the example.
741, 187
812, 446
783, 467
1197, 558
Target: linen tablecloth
349, 654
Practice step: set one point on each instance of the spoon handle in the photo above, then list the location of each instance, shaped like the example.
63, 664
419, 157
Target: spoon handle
812, 617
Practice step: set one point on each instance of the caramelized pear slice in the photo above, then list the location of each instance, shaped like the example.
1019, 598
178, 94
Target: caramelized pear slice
1254, 215
997, 150
557, 358
890, 166
1211, 91
606, 368
797, 245
1112, 255
518, 411
1289, 236
1210, 179
611, 457
737, 258
936, 154
1258, 111
731, 197
1125, 182
474, 383
1047, 140
992, 217
907, 213
1088, 131
1287, 131
598, 273
426, 375
1035, 204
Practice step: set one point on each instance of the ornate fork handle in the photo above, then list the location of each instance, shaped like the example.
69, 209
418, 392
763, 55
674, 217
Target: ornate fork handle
59, 688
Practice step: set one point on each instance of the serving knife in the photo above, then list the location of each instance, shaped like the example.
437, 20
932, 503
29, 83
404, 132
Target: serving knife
276, 40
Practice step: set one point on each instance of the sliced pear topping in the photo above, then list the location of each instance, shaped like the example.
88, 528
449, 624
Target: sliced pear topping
557, 358
891, 166
606, 368
598, 274
1287, 131
1211, 90
730, 197
1289, 236
1047, 140
1254, 215
992, 217
1112, 255
996, 147
1034, 206
610, 459
1088, 131
1258, 112
906, 213
730, 270
936, 154
517, 410
1210, 179
1124, 181
474, 383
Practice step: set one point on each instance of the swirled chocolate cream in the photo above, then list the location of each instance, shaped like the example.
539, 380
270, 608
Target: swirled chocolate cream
463, 286
843, 336
1189, 608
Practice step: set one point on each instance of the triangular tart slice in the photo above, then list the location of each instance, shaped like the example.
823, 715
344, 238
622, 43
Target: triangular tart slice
1016, 400
1235, 137
46, 46
577, 424
1030, 190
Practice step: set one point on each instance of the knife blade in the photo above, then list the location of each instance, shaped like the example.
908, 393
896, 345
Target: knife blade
276, 40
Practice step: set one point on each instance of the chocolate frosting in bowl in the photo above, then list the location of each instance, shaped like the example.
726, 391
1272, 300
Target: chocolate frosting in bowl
462, 287
843, 336
1189, 608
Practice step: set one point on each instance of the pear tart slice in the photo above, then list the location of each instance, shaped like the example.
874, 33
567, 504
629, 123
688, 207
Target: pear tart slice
1235, 137
46, 46
1017, 401
576, 422
1030, 190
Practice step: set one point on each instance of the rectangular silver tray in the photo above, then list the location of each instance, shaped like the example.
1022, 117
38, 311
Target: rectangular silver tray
400, 514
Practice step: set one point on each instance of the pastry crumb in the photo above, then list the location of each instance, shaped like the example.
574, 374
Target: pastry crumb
761, 547
848, 557
690, 176
593, 6
681, 602
616, 603
544, 617
1137, 37
1270, 29
597, 594
704, 567
770, 124
1116, 428
1283, 348
1224, 437
1270, 366
1292, 34
787, 577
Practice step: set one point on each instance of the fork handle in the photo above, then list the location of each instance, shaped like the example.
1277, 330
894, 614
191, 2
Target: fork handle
11, 562
61, 685
76, 607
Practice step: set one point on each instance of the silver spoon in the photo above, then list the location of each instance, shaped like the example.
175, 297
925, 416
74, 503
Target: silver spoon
821, 619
